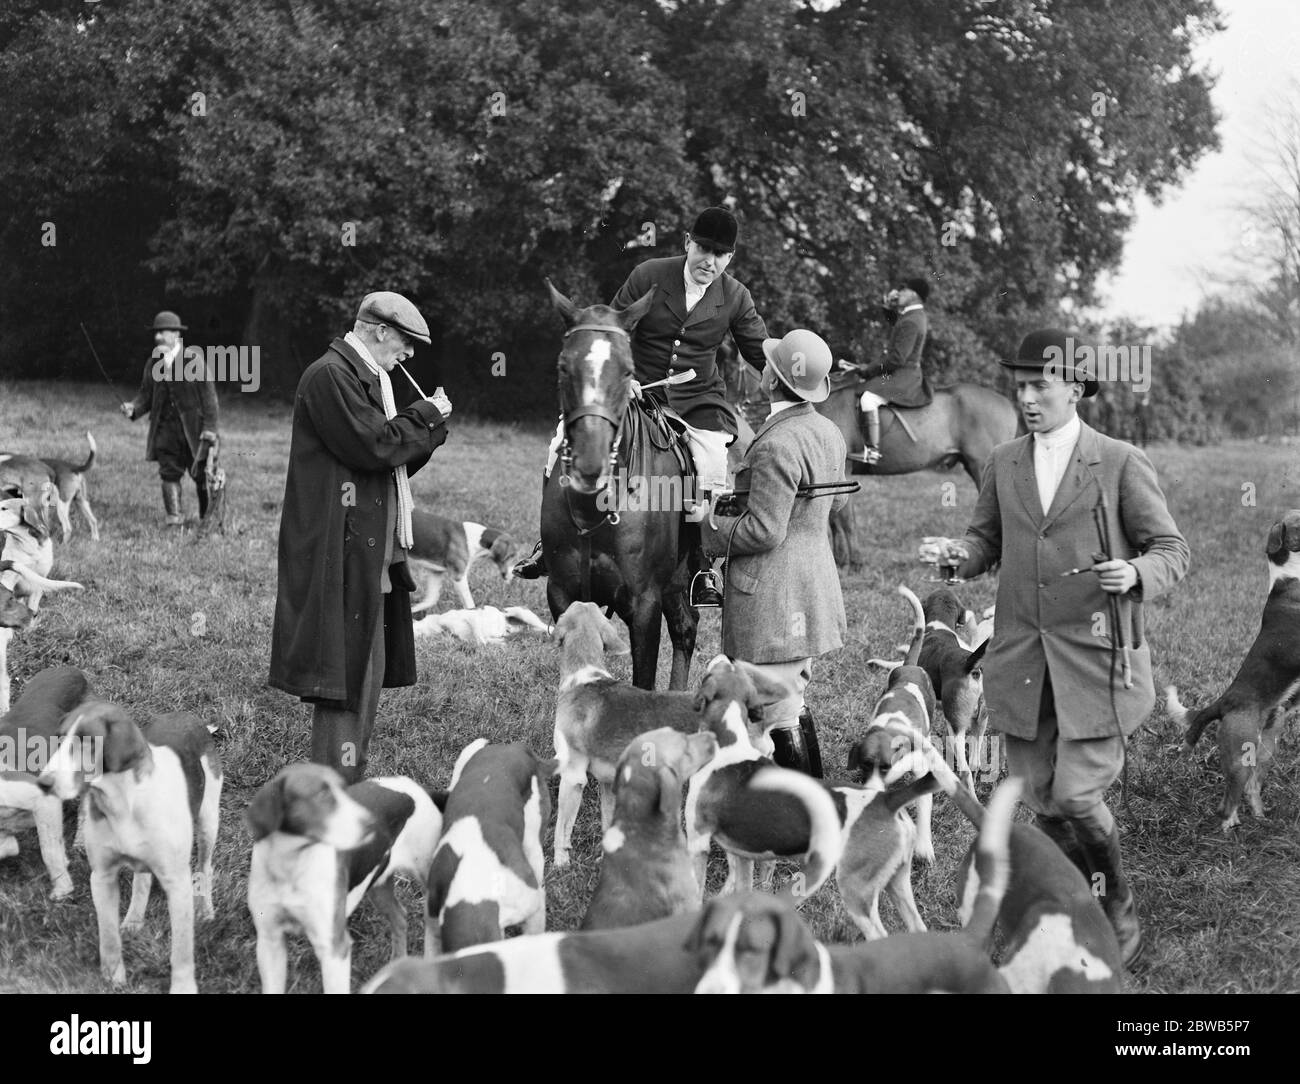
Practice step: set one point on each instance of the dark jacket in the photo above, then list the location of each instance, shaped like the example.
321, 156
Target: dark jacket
332, 530
196, 403
899, 378
783, 589
670, 340
1047, 622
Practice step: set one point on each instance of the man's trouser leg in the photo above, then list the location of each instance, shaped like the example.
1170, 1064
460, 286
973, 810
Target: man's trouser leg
1065, 783
341, 738
174, 457
534, 565
789, 724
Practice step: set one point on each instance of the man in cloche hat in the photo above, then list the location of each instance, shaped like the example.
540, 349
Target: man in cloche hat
1052, 670
342, 628
784, 607
182, 409
696, 303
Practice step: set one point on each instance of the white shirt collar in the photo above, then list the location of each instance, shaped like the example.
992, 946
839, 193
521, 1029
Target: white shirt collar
914, 305
1066, 436
779, 405
351, 339
693, 289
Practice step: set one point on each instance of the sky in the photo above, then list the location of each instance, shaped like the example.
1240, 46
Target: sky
1174, 251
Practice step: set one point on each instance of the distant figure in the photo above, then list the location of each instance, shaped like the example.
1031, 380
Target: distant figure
183, 417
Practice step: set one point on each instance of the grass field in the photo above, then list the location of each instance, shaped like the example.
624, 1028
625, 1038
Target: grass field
1219, 910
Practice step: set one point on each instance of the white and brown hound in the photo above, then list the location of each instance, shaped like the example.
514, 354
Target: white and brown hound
442, 547
318, 849
148, 789
487, 872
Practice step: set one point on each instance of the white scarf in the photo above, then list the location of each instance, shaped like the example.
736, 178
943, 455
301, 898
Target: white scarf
405, 502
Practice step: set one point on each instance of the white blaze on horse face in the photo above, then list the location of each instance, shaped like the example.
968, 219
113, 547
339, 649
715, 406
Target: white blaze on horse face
597, 355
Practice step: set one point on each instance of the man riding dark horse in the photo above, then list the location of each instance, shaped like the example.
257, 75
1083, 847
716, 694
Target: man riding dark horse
696, 303
897, 380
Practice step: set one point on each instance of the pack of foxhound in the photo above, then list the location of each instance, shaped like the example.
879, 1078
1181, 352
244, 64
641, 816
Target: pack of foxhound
677, 773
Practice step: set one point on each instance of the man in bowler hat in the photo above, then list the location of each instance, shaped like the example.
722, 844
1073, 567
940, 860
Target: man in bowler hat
1052, 674
342, 629
181, 403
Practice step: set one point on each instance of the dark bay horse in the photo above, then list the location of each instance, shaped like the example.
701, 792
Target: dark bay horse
612, 529
961, 425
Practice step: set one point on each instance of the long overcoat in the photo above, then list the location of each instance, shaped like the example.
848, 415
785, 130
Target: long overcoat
1045, 621
196, 403
668, 339
332, 529
783, 599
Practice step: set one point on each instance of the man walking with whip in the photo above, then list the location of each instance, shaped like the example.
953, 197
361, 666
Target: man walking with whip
1080, 526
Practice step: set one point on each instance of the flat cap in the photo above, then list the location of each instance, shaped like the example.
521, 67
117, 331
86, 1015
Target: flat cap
386, 307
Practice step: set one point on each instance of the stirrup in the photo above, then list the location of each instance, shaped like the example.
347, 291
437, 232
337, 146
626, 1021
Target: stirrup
706, 589
868, 455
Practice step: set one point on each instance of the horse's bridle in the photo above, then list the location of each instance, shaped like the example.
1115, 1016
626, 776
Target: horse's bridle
590, 410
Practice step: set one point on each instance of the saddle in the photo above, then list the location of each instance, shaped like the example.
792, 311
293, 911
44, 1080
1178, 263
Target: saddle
648, 427
841, 380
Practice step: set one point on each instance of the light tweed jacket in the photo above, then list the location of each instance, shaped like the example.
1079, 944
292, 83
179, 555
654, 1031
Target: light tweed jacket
783, 598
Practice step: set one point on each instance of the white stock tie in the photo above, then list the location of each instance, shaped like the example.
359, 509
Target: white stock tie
404, 500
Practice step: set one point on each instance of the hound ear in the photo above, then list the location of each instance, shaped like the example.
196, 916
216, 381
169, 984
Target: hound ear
631, 316
265, 813
794, 955
610, 638
974, 659
703, 694
563, 305
124, 746
769, 689
670, 791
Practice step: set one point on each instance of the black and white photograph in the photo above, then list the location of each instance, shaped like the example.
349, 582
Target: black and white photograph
653, 497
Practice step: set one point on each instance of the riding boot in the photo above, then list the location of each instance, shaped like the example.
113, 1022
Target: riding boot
533, 566
809, 731
869, 426
792, 750
1060, 831
1103, 855
171, 494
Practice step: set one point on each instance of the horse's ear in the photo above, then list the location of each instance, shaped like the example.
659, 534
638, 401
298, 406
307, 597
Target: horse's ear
563, 305
631, 316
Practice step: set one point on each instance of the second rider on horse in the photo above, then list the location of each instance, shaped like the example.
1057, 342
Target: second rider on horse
696, 303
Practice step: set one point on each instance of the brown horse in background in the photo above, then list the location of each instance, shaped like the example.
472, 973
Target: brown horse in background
962, 425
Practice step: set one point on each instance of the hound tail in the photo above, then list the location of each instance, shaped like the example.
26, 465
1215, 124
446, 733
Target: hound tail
1195, 722
920, 757
825, 837
90, 459
35, 579
918, 634
993, 861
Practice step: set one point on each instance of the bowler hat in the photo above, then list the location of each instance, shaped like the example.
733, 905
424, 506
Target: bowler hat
394, 310
717, 227
920, 286
167, 321
1054, 348
802, 361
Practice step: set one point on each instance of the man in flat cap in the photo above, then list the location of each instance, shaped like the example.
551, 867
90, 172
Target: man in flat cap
897, 378
181, 402
1054, 674
342, 628
696, 304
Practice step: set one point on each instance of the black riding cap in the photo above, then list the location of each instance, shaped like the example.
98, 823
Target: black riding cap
717, 227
